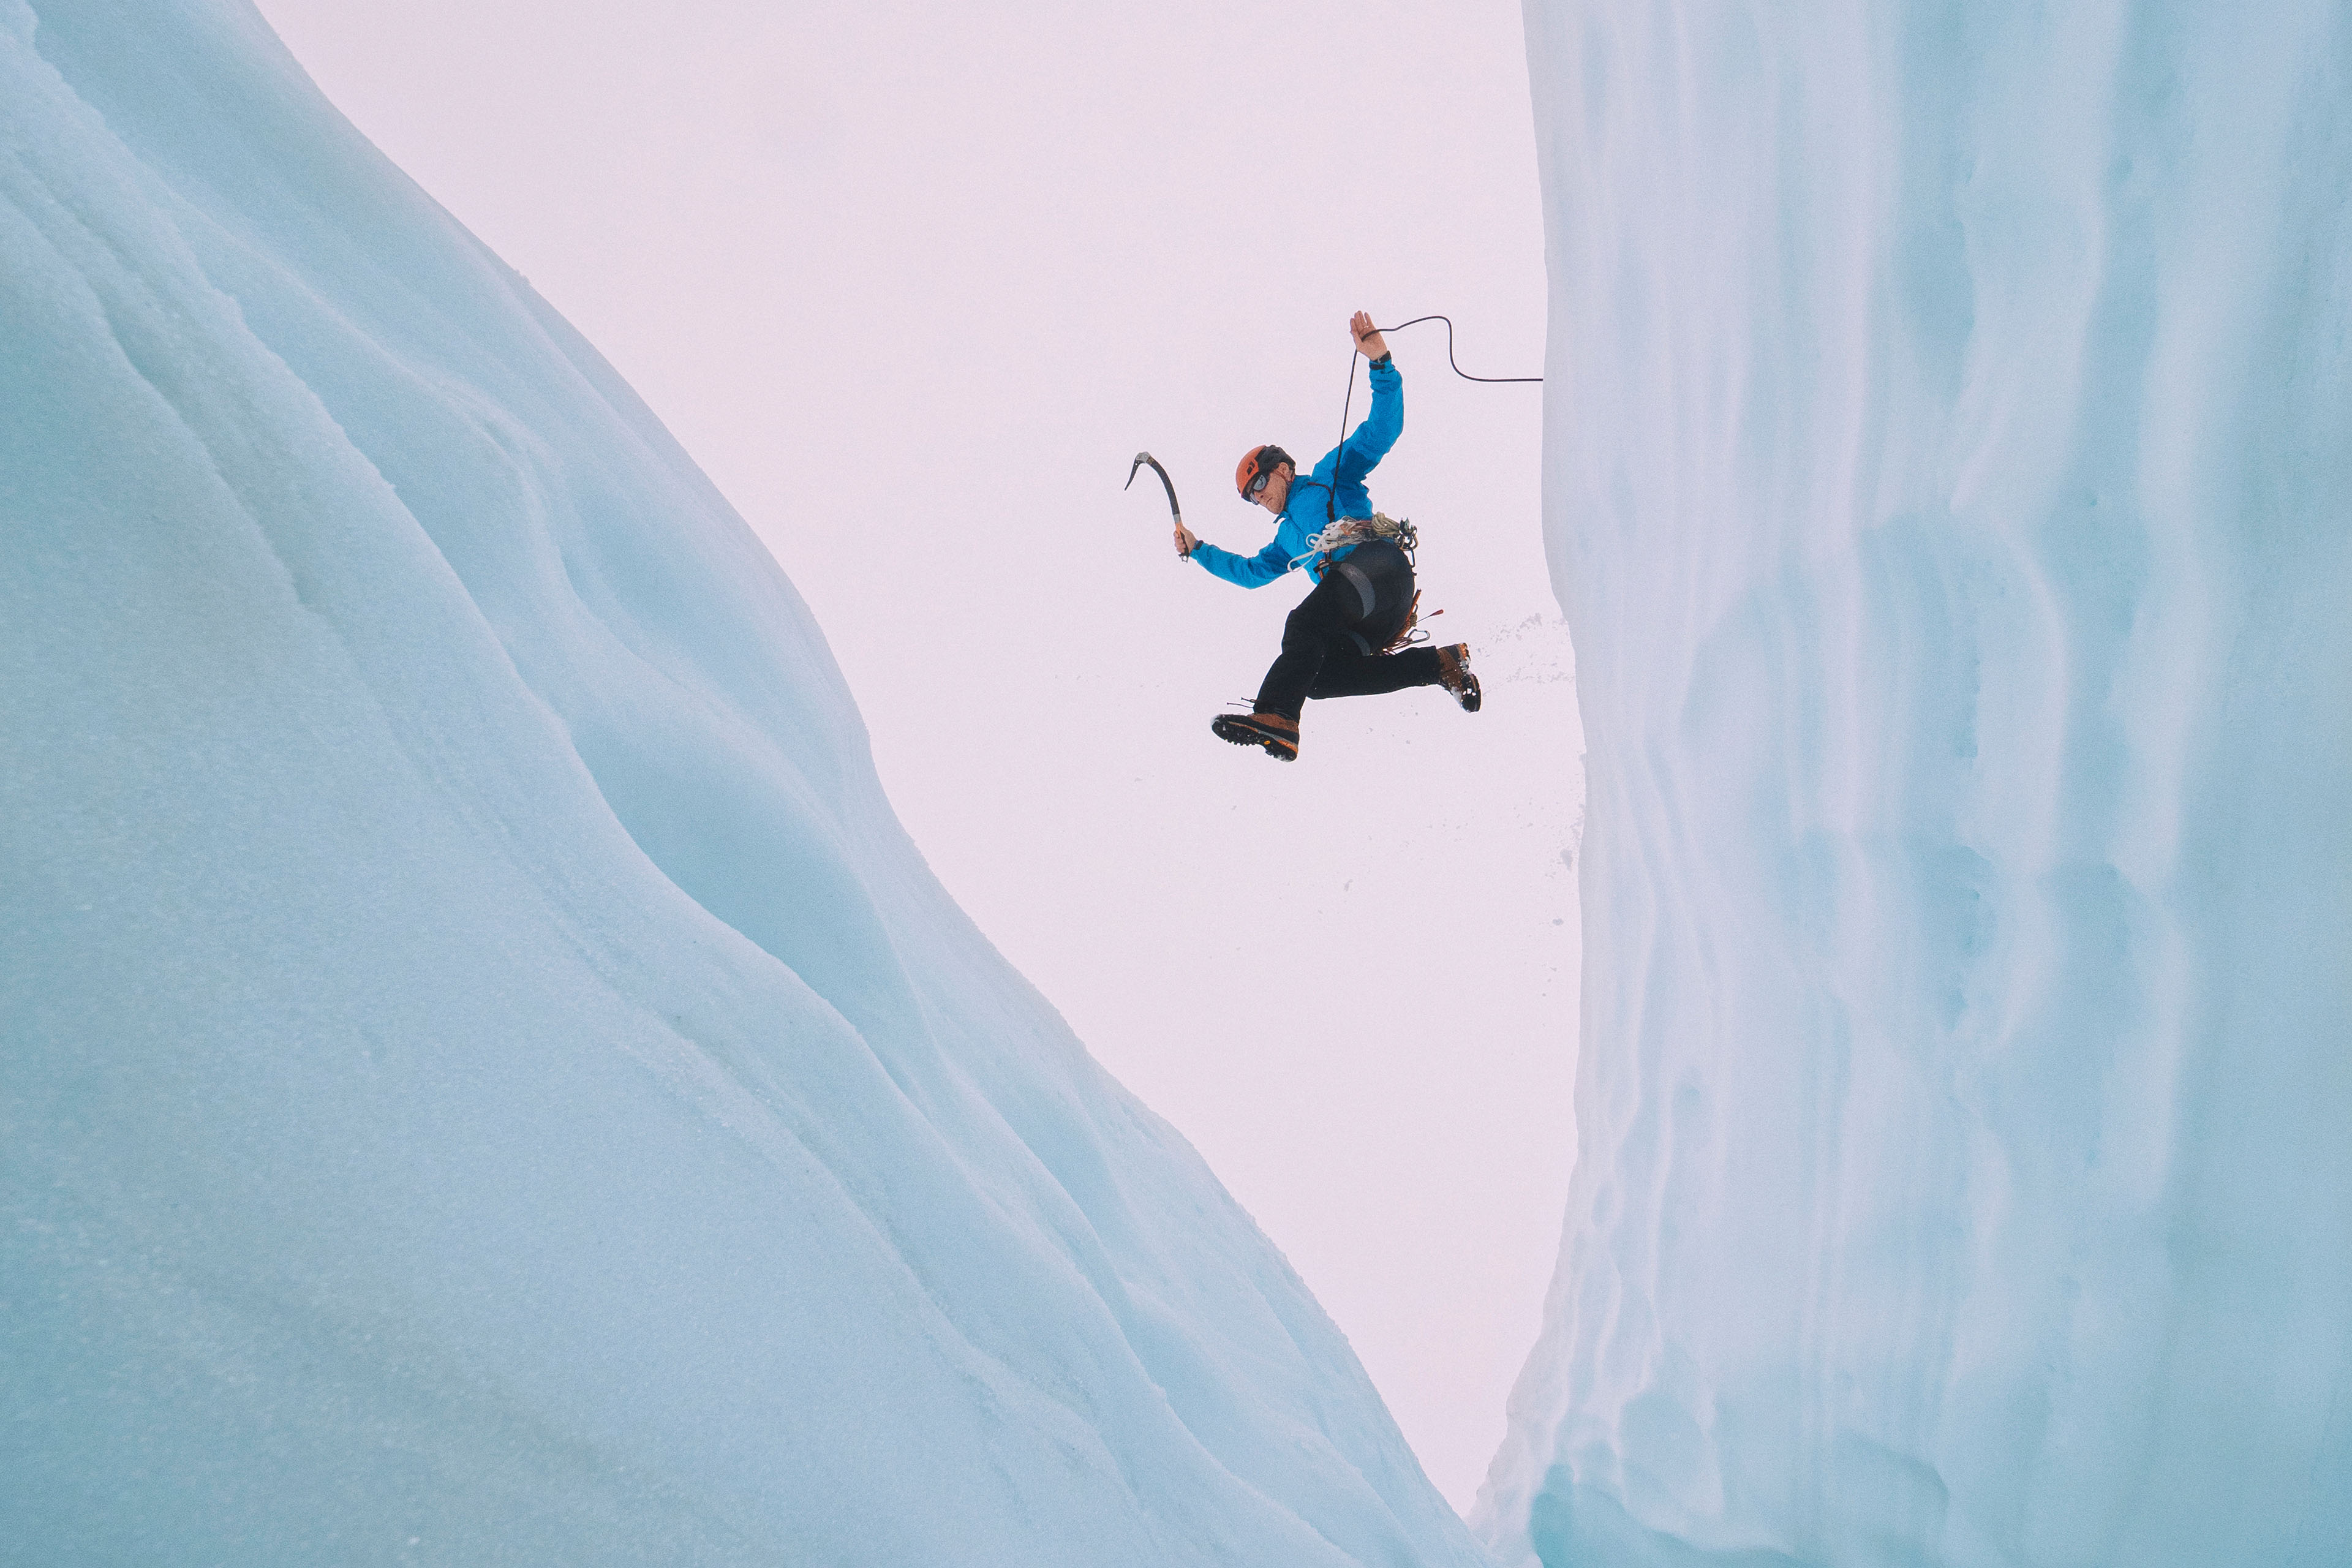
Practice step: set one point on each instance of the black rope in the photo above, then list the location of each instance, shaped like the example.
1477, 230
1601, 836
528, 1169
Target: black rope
1353, 354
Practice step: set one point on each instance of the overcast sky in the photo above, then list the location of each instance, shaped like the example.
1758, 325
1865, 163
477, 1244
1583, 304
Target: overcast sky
914, 285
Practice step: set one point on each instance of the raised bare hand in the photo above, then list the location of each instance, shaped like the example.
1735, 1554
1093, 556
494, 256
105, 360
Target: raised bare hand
1369, 341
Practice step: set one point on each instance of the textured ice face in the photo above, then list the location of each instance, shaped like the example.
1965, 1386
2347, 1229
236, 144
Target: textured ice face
1948, 451
483, 1077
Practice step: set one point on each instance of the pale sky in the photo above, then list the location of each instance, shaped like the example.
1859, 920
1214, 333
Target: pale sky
914, 285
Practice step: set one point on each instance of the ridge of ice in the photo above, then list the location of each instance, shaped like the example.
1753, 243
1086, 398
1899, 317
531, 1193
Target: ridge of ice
1948, 435
483, 1075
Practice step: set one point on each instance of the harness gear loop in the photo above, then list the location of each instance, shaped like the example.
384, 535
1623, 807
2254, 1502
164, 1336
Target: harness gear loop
1408, 634
1347, 533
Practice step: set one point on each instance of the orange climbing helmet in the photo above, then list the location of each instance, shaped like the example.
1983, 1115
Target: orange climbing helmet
1256, 469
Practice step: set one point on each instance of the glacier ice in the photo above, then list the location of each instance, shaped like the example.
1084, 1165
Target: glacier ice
1949, 440
483, 1075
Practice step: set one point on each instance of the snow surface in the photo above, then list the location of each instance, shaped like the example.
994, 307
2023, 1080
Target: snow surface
483, 1075
1949, 440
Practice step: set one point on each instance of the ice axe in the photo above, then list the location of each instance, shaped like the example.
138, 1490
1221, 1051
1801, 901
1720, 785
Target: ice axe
1137, 467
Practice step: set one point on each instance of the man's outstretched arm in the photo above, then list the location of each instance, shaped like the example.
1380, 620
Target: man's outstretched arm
1371, 440
1380, 427
1249, 571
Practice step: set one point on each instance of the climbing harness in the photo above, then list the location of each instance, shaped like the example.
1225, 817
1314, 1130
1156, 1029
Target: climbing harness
1361, 532
1346, 534
1352, 530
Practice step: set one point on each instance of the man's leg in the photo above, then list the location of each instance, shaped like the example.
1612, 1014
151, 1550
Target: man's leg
1321, 619
1349, 674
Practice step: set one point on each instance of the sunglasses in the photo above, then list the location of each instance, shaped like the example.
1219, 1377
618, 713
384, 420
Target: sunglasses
1256, 487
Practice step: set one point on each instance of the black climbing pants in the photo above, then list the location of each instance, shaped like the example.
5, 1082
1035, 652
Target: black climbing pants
1330, 645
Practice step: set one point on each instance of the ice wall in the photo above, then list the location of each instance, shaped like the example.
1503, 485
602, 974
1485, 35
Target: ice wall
483, 1077
1948, 458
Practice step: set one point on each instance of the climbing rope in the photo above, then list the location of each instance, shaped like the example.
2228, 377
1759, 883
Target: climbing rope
1356, 353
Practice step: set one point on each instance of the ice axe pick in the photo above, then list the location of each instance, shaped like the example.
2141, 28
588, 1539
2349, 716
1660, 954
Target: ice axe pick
1137, 467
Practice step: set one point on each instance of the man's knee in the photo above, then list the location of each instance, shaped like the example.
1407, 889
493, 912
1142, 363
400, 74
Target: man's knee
1303, 630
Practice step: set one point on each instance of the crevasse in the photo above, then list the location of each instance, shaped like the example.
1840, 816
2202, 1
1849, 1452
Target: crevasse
1948, 445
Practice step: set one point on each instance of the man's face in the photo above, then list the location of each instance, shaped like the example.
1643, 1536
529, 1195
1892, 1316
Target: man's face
1277, 489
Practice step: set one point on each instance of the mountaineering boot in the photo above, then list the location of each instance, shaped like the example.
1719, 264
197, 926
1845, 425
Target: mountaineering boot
1277, 734
1454, 674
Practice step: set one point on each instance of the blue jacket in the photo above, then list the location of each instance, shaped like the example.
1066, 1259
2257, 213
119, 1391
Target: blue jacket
1305, 512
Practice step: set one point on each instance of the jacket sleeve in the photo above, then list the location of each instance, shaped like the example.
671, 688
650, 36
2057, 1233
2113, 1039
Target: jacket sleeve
1249, 571
1360, 452
1382, 426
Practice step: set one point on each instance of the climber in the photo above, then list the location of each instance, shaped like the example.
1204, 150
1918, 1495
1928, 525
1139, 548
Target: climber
1342, 640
